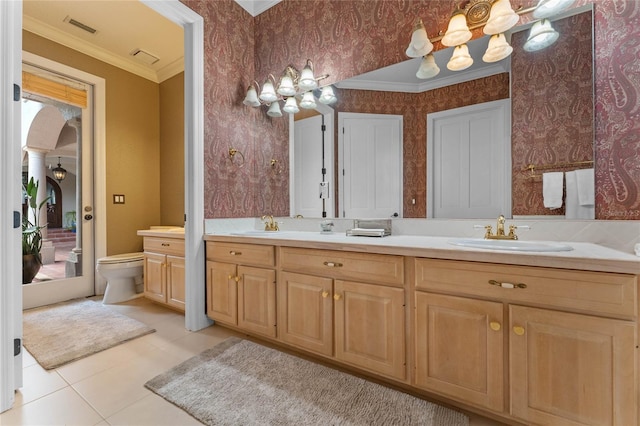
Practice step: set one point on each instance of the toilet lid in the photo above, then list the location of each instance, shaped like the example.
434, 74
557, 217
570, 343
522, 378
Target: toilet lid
121, 258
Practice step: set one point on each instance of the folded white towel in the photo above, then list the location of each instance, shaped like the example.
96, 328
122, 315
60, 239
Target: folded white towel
573, 209
585, 179
552, 189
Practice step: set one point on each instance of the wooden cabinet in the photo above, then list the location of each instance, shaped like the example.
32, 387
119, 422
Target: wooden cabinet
238, 294
459, 348
359, 323
571, 355
571, 369
164, 271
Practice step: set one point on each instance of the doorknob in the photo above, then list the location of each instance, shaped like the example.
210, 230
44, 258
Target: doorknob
395, 214
88, 217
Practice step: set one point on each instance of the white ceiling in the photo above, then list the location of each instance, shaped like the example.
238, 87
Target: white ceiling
123, 26
256, 7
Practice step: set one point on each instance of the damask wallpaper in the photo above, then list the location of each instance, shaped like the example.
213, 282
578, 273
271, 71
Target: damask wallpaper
552, 105
346, 38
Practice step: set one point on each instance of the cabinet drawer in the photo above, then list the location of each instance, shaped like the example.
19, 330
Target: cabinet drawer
241, 254
164, 245
592, 292
367, 267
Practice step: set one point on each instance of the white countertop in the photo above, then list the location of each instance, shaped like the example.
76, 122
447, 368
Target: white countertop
584, 256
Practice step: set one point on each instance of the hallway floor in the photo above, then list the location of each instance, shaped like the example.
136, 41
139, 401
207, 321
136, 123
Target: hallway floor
108, 388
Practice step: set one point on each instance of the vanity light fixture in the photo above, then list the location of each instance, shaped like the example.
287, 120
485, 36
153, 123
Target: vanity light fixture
546, 8
542, 35
498, 49
420, 44
58, 172
274, 110
292, 84
501, 18
327, 96
460, 59
457, 32
291, 106
308, 101
428, 67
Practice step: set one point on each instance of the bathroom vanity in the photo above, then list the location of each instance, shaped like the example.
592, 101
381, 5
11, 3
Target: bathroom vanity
534, 338
164, 278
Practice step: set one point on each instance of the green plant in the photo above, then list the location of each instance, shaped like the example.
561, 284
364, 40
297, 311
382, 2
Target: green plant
32, 231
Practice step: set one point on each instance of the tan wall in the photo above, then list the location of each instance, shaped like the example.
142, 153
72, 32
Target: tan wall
172, 151
132, 143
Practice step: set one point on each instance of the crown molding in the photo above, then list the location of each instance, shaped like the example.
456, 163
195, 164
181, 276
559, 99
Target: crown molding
47, 31
256, 7
394, 86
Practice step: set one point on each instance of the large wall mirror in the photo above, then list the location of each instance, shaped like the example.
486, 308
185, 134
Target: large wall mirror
551, 119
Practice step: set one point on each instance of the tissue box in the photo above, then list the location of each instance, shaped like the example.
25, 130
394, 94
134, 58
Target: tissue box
370, 228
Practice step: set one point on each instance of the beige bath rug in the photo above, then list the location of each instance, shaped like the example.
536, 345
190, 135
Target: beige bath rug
64, 332
243, 383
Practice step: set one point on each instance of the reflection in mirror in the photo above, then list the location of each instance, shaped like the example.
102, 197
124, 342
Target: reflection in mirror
550, 133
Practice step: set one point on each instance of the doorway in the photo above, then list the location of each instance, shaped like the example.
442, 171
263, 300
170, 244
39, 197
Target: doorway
59, 126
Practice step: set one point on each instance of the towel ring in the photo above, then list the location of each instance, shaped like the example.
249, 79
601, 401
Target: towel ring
232, 156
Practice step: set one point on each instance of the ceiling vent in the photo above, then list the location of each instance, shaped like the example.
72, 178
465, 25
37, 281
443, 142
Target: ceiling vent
80, 25
144, 57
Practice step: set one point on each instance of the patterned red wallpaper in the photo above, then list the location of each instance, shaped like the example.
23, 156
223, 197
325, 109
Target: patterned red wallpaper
346, 38
552, 109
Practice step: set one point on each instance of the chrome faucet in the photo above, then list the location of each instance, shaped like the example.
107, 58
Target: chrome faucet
500, 235
269, 223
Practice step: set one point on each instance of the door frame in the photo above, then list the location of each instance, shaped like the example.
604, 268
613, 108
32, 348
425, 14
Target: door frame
329, 118
10, 202
38, 294
506, 105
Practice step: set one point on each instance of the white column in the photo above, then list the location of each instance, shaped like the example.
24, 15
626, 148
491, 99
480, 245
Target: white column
77, 125
38, 171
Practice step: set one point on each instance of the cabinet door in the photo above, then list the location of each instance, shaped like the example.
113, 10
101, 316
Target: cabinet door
155, 277
257, 300
459, 348
175, 282
370, 327
306, 312
222, 300
569, 369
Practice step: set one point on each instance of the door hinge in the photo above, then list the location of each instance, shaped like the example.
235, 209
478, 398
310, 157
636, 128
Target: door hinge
16, 93
16, 219
323, 128
17, 346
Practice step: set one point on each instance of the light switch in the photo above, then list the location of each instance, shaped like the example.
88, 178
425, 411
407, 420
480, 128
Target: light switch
118, 198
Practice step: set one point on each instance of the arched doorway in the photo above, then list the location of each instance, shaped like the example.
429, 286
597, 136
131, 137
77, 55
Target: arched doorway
54, 205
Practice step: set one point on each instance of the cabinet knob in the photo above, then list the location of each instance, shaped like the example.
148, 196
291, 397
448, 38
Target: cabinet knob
165, 244
325, 294
333, 264
236, 279
518, 330
235, 253
337, 297
495, 325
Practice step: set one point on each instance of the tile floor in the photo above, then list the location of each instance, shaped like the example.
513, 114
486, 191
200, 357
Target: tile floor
108, 388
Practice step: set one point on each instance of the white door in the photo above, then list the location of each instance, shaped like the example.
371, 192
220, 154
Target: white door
370, 165
10, 259
69, 271
311, 154
469, 162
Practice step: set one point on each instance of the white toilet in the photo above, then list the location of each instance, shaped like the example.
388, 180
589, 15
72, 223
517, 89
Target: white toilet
123, 273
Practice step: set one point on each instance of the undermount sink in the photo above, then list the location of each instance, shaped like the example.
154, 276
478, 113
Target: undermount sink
511, 245
258, 233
